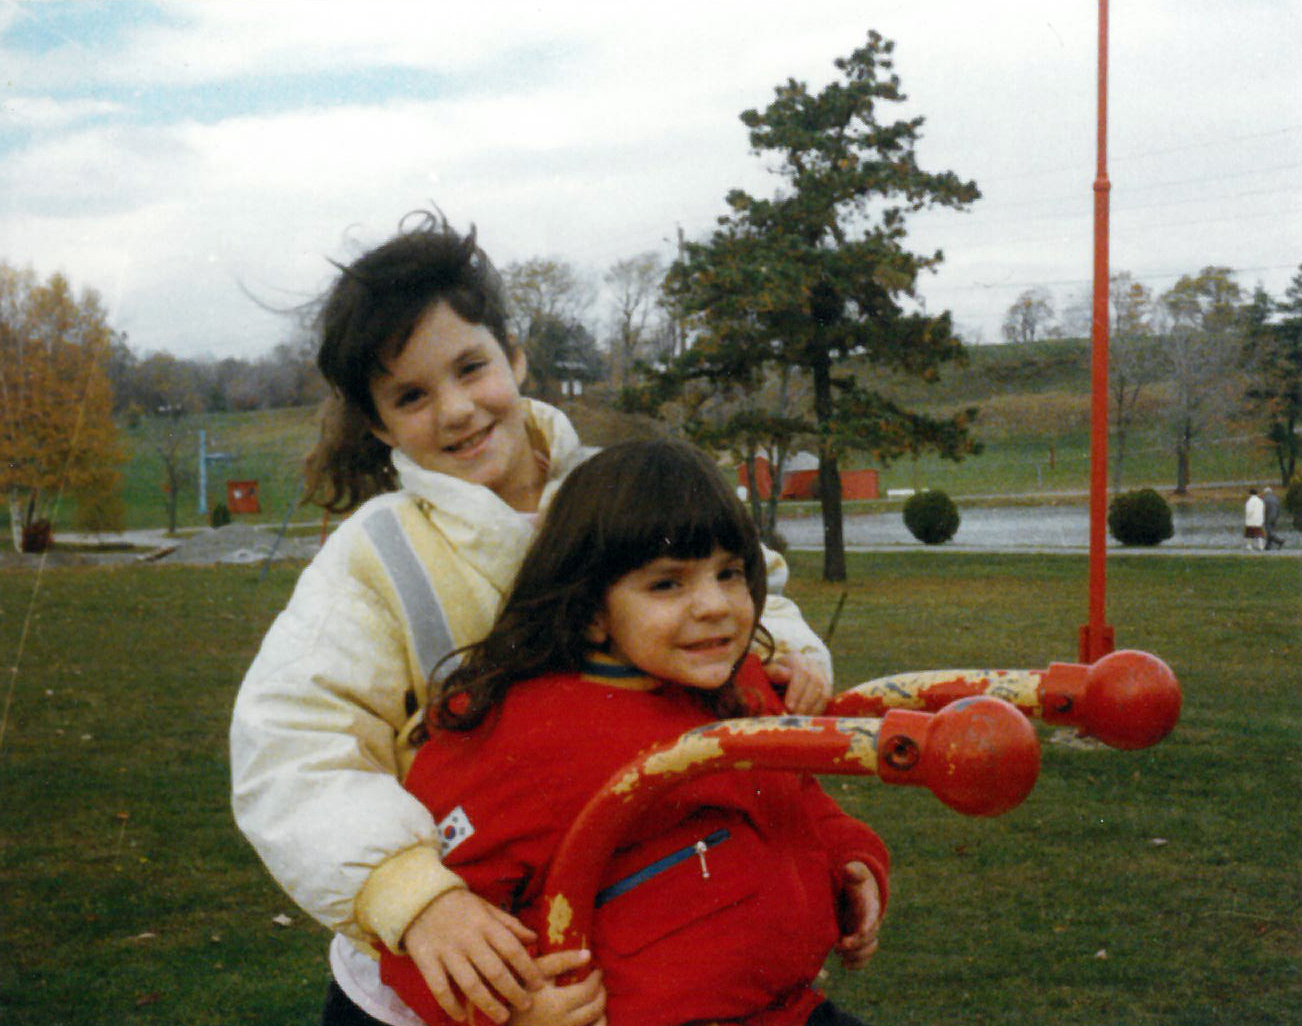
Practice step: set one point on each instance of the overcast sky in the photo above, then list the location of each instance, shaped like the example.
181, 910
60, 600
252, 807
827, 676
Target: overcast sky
179, 157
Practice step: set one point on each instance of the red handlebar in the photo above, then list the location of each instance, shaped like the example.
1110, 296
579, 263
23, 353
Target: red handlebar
979, 756
1127, 699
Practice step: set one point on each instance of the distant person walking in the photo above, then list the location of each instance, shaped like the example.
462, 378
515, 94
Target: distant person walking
1270, 504
1254, 519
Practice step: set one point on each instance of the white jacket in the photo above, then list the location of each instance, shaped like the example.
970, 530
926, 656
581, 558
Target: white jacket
319, 733
1254, 512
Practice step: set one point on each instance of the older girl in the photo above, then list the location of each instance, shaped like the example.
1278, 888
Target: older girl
446, 466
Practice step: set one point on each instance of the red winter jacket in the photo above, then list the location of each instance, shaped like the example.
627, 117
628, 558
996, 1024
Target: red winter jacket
674, 944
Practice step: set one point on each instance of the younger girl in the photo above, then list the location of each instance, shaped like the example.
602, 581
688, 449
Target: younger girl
444, 466
631, 622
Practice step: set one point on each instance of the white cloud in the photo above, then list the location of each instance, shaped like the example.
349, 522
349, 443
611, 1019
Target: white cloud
43, 112
590, 130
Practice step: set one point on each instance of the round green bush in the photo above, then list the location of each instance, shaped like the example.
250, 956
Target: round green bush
221, 515
1293, 503
931, 517
1140, 517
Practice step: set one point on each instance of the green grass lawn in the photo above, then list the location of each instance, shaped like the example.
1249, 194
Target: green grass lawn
1162, 886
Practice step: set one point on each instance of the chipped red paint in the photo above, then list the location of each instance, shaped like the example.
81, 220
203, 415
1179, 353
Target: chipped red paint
964, 734
1127, 699
978, 755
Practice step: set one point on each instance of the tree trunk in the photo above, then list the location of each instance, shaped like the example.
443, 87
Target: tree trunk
16, 519
1118, 456
829, 476
753, 492
829, 490
777, 459
173, 494
1286, 449
1182, 448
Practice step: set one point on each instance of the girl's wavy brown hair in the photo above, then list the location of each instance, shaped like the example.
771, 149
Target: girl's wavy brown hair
622, 509
365, 320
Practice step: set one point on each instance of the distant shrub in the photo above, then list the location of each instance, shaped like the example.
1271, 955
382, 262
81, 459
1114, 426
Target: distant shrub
931, 517
38, 535
221, 516
1140, 517
1293, 503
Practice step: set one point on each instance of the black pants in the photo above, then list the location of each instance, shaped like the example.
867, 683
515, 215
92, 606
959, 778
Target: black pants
340, 1011
827, 1014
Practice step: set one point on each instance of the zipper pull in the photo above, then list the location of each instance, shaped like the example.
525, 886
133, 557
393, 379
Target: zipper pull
701, 849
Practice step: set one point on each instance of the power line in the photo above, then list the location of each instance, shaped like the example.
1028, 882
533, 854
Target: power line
1142, 154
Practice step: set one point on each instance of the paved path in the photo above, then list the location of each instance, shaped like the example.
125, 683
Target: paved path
1060, 529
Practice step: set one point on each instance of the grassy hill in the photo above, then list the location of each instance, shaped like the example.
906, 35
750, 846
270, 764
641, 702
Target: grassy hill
1034, 423
1034, 402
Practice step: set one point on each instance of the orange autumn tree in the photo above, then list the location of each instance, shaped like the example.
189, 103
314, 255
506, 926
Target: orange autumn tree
57, 434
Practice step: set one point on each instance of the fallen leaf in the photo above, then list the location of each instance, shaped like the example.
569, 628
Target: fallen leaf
1102, 953
144, 936
282, 920
1157, 842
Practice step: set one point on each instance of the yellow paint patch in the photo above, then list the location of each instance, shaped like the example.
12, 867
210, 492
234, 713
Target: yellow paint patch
762, 724
559, 919
863, 736
907, 690
626, 783
688, 752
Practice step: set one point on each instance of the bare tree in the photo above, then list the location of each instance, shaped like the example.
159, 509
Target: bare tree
173, 445
545, 288
635, 286
1135, 361
1078, 315
1030, 317
1203, 342
549, 302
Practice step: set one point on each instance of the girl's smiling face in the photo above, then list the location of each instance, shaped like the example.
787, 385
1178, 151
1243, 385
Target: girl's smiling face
451, 402
683, 620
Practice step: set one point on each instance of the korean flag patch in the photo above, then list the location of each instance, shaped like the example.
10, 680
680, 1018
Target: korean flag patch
454, 828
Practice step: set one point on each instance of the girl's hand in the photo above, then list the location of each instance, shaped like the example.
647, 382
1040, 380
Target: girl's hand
863, 914
807, 686
575, 1004
464, 941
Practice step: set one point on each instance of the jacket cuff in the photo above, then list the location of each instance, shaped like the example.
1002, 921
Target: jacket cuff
400, 889
880, 873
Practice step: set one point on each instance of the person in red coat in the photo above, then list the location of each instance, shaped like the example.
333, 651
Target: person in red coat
632, 621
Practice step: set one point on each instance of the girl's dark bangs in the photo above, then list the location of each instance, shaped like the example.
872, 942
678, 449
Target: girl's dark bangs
688, 523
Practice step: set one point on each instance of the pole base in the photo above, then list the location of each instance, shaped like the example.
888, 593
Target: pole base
1096, 641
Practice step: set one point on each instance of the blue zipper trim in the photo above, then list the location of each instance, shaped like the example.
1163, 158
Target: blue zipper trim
659, 866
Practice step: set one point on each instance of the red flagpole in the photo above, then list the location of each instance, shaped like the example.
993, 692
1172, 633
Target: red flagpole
1097, 637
